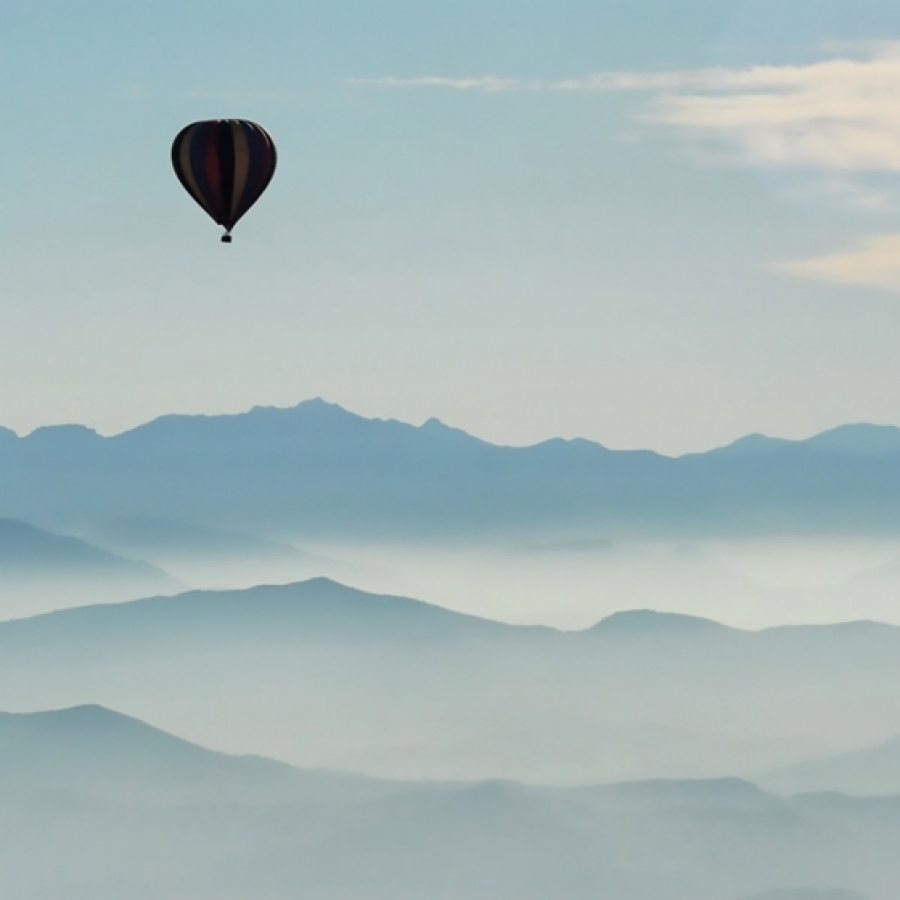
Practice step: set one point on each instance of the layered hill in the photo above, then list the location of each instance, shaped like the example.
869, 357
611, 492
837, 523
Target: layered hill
109, 756
326, 676
30, 552
869, 772
40, 570
319, 470
122, 809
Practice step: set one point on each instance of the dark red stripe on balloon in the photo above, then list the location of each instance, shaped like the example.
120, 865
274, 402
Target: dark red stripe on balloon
213, 170
197, 156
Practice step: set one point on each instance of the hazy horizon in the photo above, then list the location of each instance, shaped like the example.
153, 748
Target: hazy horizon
578, 575
649, 225
535, 441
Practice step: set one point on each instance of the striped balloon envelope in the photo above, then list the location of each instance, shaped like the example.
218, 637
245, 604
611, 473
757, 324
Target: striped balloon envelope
225, 165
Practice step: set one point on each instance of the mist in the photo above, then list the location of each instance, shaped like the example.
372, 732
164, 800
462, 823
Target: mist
573, 583
477, 730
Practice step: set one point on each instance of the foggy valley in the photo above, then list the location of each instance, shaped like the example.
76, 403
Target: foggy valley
567, 703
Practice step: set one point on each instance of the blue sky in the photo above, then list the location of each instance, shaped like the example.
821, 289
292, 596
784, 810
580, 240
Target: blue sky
652, 224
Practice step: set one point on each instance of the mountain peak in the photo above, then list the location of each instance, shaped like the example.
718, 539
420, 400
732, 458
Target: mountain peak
69, 434
312, 405
648, 622
858, 440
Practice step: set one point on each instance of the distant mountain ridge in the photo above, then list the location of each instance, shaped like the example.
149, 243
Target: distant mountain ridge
28, 551
319, 470
115, 756
126, 810
321, 606
268, 615
861, 440
873, 771
399, 688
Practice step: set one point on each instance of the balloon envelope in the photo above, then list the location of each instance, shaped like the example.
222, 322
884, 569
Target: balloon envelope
225, 165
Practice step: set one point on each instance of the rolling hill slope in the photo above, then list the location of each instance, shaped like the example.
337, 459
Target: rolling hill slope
325, 676
42, 571
122, 809
29, 552
114, 757
870, 772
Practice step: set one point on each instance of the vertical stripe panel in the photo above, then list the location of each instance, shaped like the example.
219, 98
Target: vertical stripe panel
241, 169
197, 151
225, 157
212, 169
185, 158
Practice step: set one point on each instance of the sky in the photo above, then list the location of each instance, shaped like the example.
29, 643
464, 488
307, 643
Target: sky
652, 224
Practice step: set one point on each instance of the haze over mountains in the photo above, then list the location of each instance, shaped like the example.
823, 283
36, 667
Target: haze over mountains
209, 556
123, 809
318, 470
116, 757
762, 532
27, 551
324, 676
42, 571
870, 772
392, 690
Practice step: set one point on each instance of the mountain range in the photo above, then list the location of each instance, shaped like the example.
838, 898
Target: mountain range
868, 772
325, 676
116, 808
121, 758
318, 470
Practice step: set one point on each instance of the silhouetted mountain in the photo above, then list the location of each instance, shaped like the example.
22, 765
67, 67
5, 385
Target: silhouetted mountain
326, 676
109, 755
649, 623
870, 772
319, 470
33, 552
94, 804
862, 440
316, 610
43, 571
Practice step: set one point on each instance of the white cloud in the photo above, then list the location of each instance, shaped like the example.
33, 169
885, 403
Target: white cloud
840, 115
483, 83
875, 264
846, 192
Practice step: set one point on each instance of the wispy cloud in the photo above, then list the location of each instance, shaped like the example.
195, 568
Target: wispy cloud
483, 83
839, 115
842, 114
838, 120
605, 81
874, 264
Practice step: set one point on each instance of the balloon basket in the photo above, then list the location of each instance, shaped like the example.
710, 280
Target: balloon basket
226, 238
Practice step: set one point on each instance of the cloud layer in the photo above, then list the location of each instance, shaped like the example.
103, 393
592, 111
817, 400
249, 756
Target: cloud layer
874, 264
839, 117
841, 114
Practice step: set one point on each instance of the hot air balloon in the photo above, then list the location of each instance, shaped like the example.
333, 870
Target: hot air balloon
225, 165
